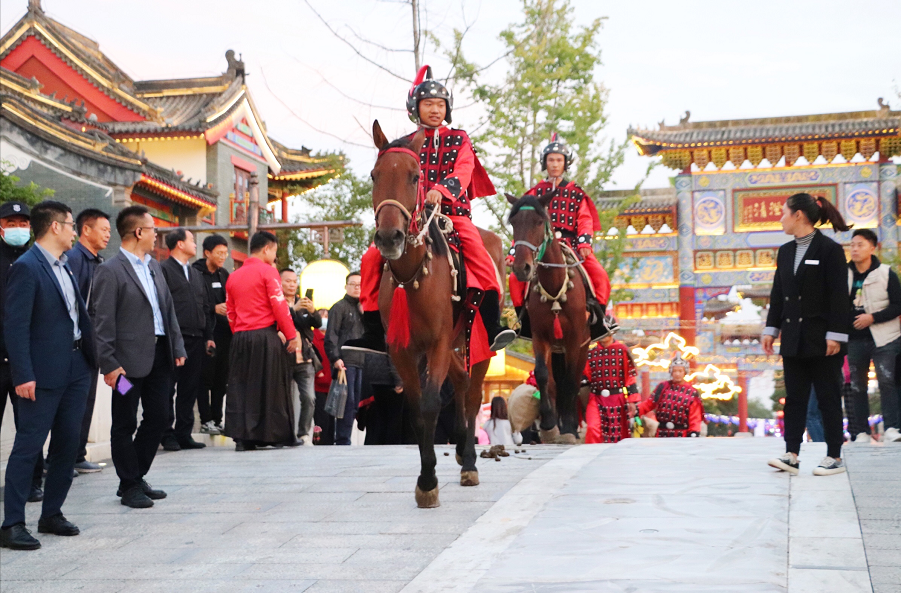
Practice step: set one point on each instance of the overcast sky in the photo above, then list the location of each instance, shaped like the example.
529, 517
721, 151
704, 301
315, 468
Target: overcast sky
721, 60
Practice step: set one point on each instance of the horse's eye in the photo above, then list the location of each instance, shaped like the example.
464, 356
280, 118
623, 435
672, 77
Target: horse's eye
414, 179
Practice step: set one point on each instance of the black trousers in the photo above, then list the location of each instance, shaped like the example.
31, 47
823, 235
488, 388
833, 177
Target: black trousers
324, 420
7, 389
133, 453
88, 415
824, 373
186, 389
57, 412
214, 382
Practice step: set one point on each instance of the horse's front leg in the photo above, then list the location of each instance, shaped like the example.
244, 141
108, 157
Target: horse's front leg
469, 474
547, 408
438, 358
407, 366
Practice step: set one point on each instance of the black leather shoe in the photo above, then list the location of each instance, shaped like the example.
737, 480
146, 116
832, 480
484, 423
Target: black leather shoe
148, 491
170, 444
151, 493
242, 446
190, 443
36, 494
135, 498
18, 538
57, 525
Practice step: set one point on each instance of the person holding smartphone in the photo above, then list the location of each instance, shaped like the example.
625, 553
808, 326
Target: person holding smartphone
305, 362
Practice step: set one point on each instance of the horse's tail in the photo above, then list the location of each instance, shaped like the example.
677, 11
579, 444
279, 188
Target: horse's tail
399, 319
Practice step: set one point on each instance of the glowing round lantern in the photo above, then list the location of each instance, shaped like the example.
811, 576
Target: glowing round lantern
497, 367
327, 279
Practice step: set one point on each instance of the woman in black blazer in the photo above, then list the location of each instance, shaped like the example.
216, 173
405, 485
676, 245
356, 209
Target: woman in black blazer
809, 305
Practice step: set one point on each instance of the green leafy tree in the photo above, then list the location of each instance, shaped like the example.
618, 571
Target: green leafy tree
550, 87
346, 197
11, 190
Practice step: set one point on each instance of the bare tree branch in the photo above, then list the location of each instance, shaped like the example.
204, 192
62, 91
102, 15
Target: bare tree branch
342, 93
378, 45
352, 46
301, 119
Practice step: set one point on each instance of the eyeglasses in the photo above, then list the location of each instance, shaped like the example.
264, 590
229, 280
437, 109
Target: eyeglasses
148, 228
351, 285
66, 222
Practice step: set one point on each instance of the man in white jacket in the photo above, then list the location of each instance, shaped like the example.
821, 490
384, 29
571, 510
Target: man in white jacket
876, 300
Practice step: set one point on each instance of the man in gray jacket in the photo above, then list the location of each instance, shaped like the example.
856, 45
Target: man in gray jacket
139, 345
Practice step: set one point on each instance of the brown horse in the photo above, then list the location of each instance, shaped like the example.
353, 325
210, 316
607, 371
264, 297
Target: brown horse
415, 301
557, 314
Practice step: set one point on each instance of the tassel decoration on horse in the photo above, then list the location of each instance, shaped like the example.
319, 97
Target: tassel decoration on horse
399, 319
558, 329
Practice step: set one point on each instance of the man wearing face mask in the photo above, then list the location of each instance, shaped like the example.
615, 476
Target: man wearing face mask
15, 234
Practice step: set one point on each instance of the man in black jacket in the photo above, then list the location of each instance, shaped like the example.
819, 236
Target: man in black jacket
15, 237
214, 379
345, 322
194, 311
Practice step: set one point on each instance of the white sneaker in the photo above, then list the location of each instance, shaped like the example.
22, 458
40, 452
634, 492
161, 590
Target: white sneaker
892, 435
210, 428
863, 438
829, 466
787, 463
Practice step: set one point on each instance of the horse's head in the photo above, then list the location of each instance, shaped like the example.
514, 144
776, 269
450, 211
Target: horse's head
531, 229
395, 190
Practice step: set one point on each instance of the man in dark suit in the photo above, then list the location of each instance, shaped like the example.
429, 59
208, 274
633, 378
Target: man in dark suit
15, 235
138, 346
93, 228
50, 344
194, 311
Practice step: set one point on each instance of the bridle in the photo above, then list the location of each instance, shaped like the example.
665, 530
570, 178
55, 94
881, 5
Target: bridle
537, 250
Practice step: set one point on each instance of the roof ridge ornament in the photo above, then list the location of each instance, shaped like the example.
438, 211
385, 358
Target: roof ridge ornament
884, 107
35, 6
683, 121
235, 65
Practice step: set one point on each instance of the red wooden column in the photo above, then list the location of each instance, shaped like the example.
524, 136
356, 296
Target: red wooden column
284, 206
743, 401
645, 376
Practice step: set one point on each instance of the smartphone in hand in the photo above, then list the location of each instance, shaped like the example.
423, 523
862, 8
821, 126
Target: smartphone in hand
309, 294
123, 385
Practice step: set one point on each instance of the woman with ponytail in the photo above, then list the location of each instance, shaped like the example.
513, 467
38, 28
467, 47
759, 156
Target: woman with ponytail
809, 306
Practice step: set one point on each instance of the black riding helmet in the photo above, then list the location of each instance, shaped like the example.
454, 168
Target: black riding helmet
424, 87
556, 146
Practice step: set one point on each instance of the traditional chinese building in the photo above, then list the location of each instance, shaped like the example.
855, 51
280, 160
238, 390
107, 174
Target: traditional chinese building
694, 250
187, 149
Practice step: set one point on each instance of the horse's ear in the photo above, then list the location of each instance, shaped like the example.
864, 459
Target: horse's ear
378, 137
418, 140
546, 198
511, 198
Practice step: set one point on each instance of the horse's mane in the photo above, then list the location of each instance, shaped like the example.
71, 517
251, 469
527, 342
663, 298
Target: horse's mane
527, 200
439, 243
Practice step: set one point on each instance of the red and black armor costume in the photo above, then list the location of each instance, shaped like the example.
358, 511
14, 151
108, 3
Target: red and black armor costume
574, 218
610, 368
449, 165
679, 409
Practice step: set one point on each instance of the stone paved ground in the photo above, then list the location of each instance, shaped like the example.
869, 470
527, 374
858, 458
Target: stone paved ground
307, 519
875, 473
645, 516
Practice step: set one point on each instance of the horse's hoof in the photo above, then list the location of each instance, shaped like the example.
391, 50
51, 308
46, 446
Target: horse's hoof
549, 437
567, 439
459, 459
470, 478
427, 500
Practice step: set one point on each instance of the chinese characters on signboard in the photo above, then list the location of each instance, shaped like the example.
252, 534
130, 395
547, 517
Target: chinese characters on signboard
761, 209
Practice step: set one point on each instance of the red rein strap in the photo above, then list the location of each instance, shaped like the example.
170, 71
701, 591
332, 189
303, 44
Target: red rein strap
420, 198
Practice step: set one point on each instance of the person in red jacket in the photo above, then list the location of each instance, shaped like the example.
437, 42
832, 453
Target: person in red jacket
452, 177
324, 429
574, 219
611, 373
258, 405
677, 404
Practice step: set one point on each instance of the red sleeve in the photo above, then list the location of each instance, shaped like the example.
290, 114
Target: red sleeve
696, 415
278, 303
650, 404
229, 303
585, 222
457, 182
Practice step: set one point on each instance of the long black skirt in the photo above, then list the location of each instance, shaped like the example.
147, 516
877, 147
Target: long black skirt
258, 404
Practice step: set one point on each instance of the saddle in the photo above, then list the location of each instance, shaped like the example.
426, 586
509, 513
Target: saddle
597, 326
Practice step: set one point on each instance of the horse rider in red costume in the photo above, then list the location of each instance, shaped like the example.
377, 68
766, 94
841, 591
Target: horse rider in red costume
452, 177
574, 218
614, 391
676, 403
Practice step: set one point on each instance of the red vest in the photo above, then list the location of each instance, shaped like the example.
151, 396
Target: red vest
612, 411
673, 406
609, 367
564, 209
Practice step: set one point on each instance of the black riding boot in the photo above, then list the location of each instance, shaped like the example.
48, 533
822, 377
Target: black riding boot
499, 337
373, 338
